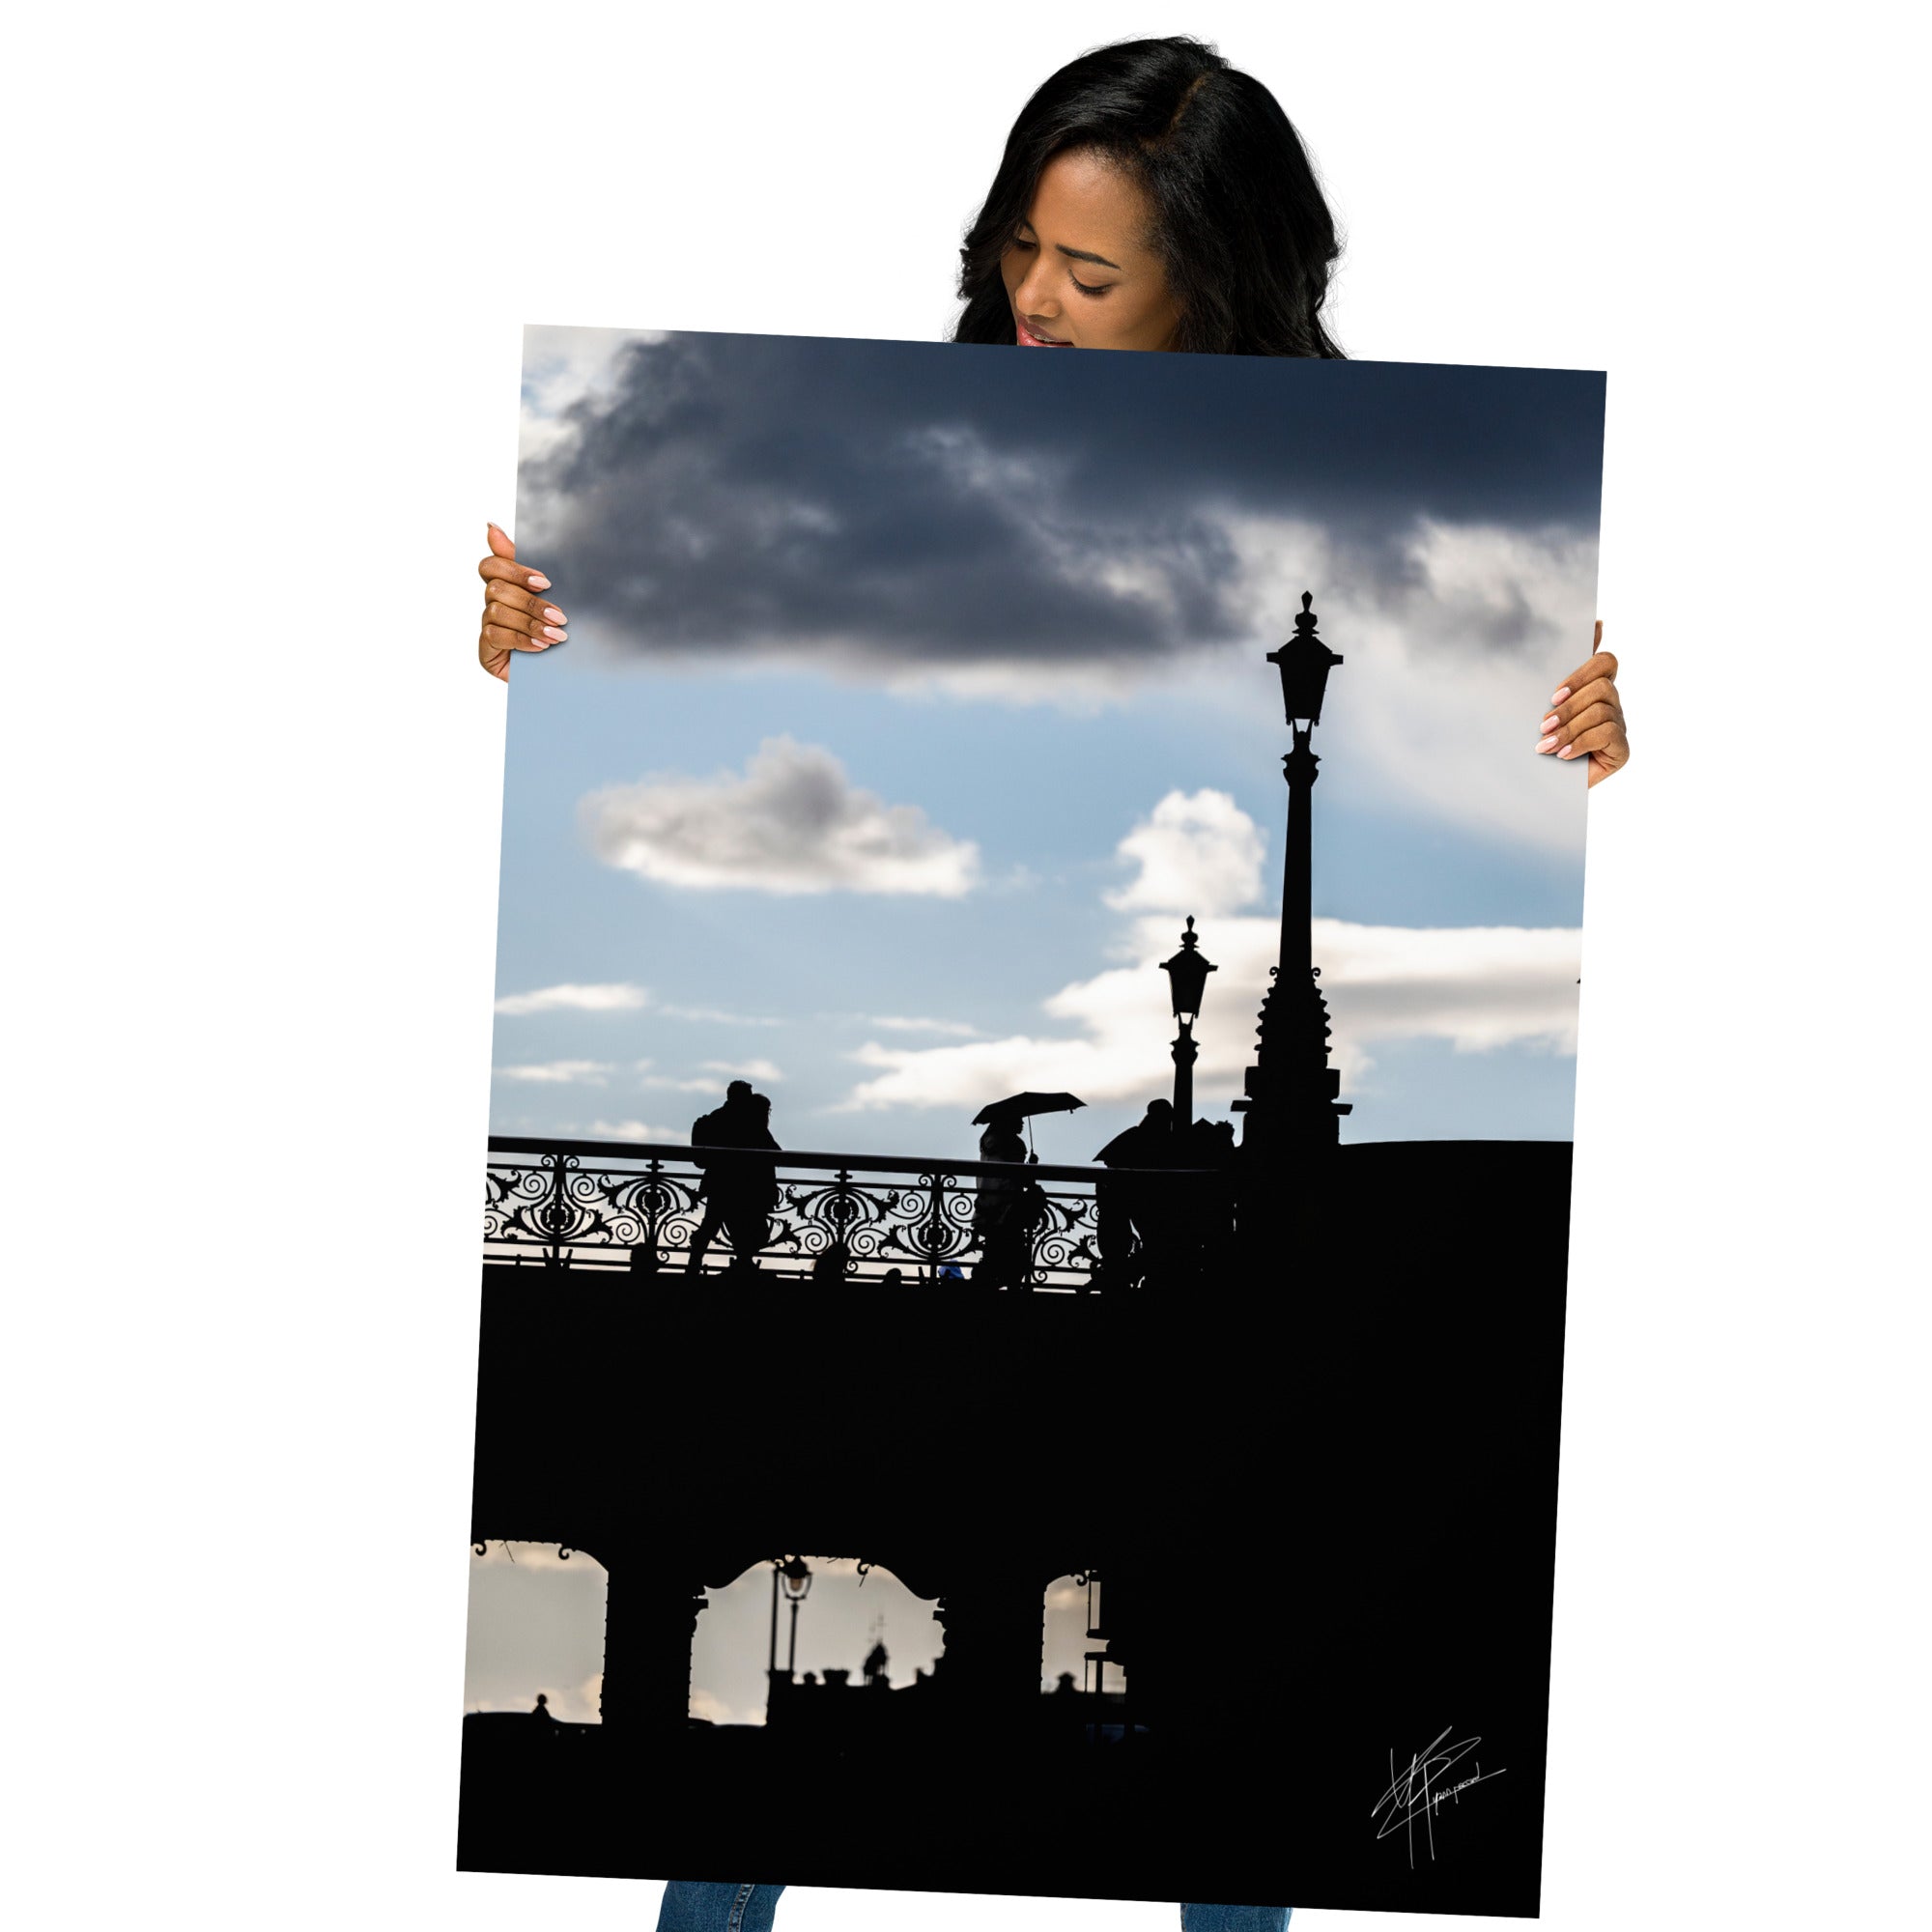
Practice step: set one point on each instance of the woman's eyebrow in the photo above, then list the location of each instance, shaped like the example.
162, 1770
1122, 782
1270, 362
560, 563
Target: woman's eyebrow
1079, 254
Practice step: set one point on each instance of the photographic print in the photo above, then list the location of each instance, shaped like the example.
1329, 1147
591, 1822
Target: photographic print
1028, 1186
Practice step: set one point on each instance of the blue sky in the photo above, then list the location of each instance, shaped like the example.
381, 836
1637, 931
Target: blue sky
916, 693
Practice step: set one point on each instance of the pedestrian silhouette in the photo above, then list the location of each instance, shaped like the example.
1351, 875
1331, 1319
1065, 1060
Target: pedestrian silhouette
738, 1194
835, 1263
1128, 1207
1000, 1203
543, 1711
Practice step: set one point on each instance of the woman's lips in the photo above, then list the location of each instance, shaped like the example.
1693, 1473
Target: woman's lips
1028, 339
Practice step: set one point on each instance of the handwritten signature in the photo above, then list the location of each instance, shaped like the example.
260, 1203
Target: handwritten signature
1422, 1788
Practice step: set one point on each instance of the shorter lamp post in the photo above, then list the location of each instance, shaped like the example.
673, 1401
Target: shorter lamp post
794, 1581
1187, 981
797, 1587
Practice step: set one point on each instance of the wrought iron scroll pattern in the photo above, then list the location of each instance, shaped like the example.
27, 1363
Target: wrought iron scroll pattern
643, 1208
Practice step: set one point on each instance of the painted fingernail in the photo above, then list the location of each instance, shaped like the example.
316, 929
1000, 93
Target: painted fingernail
555, 635
1568, 752
1547, 743
1551, 722
538, 644
1557, 698
554, 616
538, 581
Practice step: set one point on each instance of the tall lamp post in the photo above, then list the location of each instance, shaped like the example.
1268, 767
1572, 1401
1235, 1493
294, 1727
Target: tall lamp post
1290, 1097
1187, 979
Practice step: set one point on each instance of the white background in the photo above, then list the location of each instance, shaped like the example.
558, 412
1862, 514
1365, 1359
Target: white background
270, 268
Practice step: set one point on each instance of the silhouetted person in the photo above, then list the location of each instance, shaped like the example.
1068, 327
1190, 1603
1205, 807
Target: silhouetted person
1124, 1207
1000, 1203
543, 1712
738, 1195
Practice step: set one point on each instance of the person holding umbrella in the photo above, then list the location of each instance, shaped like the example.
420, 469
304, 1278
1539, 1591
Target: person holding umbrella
997, 1224
1005, 1210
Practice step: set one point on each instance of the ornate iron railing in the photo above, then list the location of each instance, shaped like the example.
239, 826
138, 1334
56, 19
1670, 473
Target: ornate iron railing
656, 1211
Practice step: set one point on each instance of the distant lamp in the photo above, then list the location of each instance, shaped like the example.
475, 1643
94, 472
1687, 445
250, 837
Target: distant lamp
797, 1581
1187, 975
1304, 662
1187, 980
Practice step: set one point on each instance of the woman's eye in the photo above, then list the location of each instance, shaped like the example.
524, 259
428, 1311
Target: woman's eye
1098, 289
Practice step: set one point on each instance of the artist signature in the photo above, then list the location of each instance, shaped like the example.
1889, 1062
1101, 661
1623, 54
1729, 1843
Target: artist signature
1422, 1787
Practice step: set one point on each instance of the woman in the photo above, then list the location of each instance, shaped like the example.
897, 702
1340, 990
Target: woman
1151, 196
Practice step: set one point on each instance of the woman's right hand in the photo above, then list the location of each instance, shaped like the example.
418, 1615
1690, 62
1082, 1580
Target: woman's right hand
514, 616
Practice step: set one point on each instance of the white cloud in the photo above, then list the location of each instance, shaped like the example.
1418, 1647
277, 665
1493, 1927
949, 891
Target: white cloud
717, 1015
1197, 853
564, 367
715, 1711
604, 999
716, 1072
897, 1023
793, 823
1450, 657
1082, 688
559, 1072
626, 1130
1476, 987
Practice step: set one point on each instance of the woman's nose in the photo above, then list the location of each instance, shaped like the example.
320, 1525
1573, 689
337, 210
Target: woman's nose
1032, 296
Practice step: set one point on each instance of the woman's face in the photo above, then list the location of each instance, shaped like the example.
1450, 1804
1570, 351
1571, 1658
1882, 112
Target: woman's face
1078, 271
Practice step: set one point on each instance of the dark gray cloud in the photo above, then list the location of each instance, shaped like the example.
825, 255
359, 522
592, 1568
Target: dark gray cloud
951, 506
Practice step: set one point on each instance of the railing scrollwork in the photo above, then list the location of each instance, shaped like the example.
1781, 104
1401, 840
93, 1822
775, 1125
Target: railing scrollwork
661, 1211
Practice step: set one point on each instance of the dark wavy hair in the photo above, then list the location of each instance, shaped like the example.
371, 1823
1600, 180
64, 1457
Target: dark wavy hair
1240, 224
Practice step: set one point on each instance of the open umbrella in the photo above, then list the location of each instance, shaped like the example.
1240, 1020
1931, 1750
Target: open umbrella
1028, 1104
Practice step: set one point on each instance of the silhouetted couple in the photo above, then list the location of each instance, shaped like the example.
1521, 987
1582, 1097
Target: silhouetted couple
1148, 1227
739, 1193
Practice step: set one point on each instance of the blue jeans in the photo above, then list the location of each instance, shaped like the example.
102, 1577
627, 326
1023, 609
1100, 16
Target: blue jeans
692, 1907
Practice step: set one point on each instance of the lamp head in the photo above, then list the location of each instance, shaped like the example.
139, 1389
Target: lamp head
1304, 662
1187, 975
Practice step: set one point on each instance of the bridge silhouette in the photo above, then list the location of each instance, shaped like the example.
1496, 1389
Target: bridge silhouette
1299, 1433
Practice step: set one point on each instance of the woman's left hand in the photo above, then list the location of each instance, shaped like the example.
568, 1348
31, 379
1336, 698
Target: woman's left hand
1586, 716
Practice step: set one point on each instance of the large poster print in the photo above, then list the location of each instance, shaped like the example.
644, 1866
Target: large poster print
1028, 1193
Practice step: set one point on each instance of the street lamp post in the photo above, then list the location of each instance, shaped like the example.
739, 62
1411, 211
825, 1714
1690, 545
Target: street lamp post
1187, 979
772, 1659
794, 1580
797, 1587
1291, 1090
